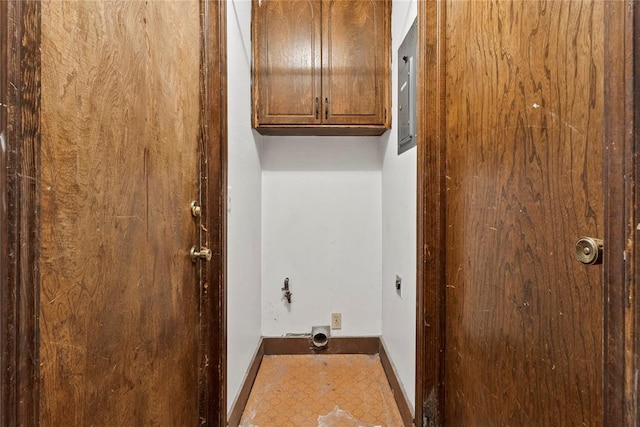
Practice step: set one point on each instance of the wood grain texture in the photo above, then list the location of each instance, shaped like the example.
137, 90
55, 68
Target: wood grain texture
321, 67
355, 61
20, 154
430, 238
6, 355
524, 120
287, 43
119, 314
621, 259
213, 195
632, 105
324, 130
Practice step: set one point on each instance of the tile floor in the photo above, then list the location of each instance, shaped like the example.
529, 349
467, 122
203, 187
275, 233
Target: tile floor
321, 391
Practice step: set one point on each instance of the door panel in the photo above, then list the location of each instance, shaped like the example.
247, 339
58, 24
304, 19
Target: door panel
524, 120
288, 62
354, 54
119, 298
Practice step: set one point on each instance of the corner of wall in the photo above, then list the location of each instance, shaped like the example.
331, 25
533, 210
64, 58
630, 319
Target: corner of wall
244, 201
399, 197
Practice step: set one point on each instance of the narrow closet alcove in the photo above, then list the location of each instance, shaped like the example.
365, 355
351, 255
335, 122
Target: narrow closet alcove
333, 213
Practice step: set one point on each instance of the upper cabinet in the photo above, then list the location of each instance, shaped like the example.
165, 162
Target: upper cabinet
321, 67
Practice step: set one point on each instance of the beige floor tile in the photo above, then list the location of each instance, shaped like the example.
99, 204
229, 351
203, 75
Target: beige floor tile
321, 391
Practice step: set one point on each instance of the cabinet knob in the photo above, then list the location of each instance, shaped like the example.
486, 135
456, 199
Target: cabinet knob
326, 108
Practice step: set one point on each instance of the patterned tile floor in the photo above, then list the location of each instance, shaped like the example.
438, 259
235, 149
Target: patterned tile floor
321, 391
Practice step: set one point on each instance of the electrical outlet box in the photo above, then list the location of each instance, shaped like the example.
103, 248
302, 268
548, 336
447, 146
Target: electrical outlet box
336, 320
398, 284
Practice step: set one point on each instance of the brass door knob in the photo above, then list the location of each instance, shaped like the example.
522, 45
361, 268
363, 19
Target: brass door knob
202, 253
589, 250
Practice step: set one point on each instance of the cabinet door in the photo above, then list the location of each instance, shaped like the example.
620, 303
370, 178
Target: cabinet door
355, 61
287, 62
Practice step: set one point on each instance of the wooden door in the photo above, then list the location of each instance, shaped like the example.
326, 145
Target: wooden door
524, 179
287, 82
119, 296
355, 62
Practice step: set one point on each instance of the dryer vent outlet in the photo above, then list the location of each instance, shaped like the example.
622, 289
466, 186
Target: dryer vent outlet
320, 336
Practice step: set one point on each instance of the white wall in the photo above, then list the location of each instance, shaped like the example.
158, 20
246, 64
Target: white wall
244, 221
399, 227
321, 228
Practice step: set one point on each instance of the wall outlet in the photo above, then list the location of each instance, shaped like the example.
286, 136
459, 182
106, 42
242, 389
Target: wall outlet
336, 320
398, 284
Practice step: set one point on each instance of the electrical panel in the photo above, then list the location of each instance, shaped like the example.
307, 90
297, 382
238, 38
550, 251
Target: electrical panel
407, 90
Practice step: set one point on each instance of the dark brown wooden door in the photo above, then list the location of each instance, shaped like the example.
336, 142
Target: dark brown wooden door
524, 152
119, 296
355, 64
287, 62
